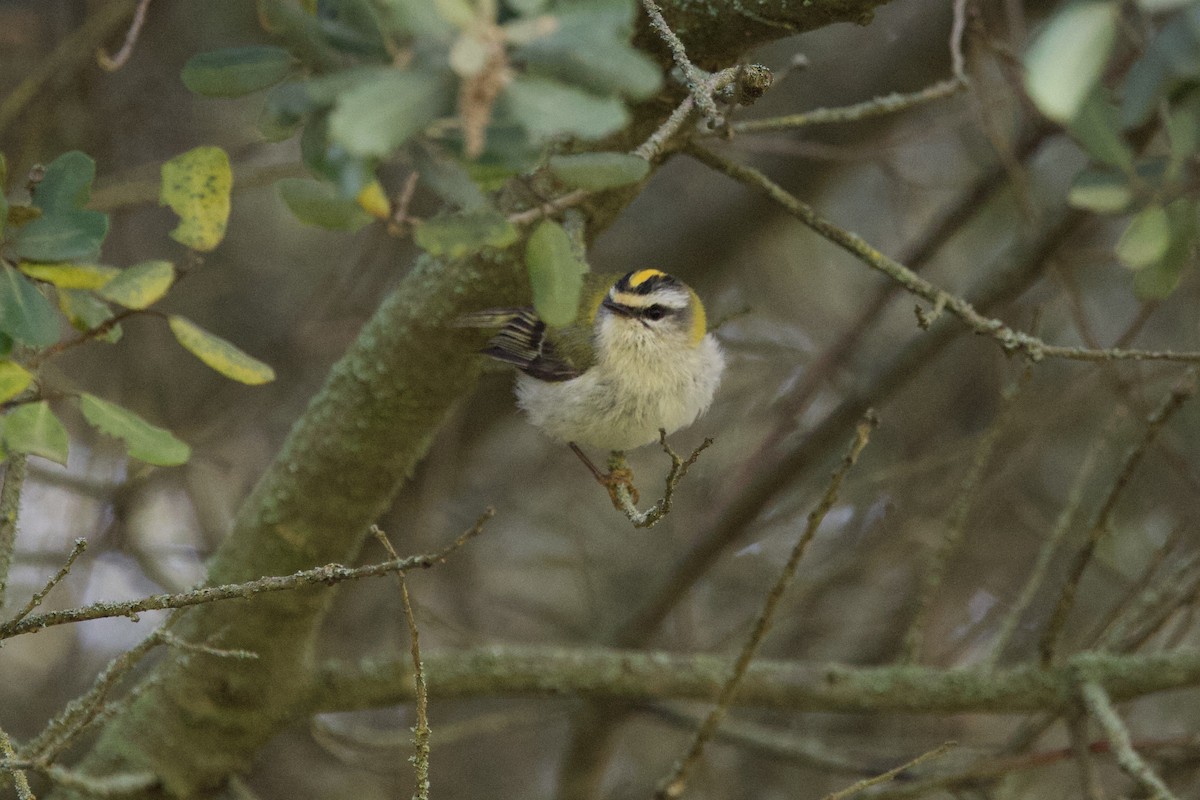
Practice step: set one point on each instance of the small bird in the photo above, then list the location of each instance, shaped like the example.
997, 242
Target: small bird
638, 360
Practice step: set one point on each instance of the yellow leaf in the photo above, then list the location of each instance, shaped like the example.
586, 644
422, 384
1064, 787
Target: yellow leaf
219, 354
68, 275
373, 201
141, 285
14, 379
196, 185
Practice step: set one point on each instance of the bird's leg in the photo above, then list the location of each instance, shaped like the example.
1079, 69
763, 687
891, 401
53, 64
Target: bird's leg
618, 475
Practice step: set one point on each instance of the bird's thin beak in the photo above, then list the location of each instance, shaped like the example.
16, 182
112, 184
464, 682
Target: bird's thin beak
616, 308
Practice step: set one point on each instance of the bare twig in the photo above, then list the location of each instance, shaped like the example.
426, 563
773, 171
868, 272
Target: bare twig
71, 55
24, 791
420, 758
1077, 730
63, 571
956, 525
328, 574
623, 493
875, 107
1133, 459
1101, 708
1062, 525
958, 64
674, 784
891, 774
10, 508
114, 63
694, 77
1011, 340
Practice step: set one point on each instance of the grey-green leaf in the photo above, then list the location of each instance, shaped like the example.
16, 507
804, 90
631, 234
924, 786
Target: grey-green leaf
33, 429
142, 440
548, 109
555, 274
1145, 239
236, 71
598, 171
1104, 191
456, 235
25, 314
321, 204
62, 235
378, 115
1096, 126
1067, 58
66, 184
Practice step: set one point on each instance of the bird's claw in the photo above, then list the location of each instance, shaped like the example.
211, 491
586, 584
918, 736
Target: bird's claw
616, 478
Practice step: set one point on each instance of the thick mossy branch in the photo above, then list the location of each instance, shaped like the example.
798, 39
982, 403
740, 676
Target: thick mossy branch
633, 676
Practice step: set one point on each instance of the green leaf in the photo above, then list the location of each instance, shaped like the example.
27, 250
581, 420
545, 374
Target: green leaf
196, 185
141, 285
1183, 128
14, 379
70, 275
548, 109
85, 311
236, 71
1097, 128
219, 354
143, 441
456, 235
318, 203
589, 47
25, 314
1067, 58
33, 429
1104, 191
597, 171
1171, 59
66, 183
6, 345
555, 274
1160, 279
1146, 239
375, 117
3, 209
448, 179
62, 235
301, 32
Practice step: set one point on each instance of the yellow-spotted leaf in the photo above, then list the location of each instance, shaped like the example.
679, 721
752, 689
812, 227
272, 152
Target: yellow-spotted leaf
142, 440
14, 379
141, 285
219, 354
70, 275
196, 185
34, 429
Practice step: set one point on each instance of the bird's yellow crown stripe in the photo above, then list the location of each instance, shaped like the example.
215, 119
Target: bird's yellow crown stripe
643, 275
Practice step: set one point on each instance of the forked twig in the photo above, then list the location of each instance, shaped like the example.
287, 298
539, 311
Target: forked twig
624, 495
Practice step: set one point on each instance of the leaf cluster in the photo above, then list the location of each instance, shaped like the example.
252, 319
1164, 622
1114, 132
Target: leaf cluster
50, 273
1111, 95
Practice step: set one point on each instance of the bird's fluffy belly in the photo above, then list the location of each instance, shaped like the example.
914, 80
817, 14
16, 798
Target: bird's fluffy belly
614, 411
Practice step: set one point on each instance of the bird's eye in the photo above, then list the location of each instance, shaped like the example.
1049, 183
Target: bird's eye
654, 313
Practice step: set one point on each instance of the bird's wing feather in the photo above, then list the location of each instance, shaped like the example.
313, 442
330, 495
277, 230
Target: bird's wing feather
522, 342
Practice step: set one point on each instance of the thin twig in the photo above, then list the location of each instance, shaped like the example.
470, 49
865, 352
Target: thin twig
693, 77
956, 525
421, 732
891, 774
674, 784
328, 574
1101, 708
623, 493
1062, 525
10, 509
114, 63
71, 55
875, 107
63, 571
80, 712
958, 64
1174, 400
24, 792
1077, 730
1011, 340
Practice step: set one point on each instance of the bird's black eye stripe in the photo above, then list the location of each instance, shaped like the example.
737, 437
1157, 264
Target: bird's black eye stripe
654, 312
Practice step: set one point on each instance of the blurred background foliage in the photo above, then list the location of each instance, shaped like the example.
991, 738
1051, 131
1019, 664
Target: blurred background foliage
967, 188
